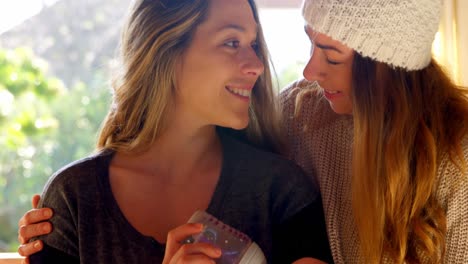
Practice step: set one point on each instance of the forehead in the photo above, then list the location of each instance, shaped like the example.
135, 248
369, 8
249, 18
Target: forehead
316, 36
227, 12
325, 40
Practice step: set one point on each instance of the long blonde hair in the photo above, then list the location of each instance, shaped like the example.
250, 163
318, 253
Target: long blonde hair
154, 38
405, 122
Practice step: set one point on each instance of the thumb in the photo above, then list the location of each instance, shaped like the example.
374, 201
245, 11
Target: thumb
176, 236
35, 200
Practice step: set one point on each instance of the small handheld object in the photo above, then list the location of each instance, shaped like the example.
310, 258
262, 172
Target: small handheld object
236, 247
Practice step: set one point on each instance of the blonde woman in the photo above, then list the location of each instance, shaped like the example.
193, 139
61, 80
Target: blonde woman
384, 131
192, 99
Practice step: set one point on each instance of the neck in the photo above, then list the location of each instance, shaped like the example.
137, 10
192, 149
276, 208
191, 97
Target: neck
182, 144
180, 154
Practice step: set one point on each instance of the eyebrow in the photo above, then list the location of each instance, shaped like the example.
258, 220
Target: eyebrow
325, 47
235, 27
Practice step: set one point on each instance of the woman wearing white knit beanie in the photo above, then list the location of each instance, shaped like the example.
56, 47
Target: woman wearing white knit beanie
383, 131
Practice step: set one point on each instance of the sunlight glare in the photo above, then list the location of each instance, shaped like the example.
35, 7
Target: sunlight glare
13, 13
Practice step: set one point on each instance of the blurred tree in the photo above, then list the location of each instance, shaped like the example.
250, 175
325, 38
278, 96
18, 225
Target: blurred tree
39, 121
75, 37
25, 119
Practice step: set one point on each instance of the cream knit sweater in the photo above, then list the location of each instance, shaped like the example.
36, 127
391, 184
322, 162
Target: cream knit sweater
320, 142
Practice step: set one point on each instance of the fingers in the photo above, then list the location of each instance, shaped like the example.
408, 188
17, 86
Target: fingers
35, 216
28, 249
26, 232
35, 200
30, 224
178, 234
196, 253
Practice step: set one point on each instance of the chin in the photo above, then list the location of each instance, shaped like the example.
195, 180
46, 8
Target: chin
239, 126
237, 123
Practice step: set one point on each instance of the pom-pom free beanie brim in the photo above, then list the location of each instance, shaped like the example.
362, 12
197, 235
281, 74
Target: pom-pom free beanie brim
396, 32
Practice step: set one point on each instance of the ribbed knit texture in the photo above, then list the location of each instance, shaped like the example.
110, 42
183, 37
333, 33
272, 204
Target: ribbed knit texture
396, 32
321, 143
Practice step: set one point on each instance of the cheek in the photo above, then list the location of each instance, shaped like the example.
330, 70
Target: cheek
346, 79
347, 86
195, 80
343, 80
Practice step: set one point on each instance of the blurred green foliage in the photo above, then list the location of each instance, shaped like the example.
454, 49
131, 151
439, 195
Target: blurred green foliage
43, 126
291, 73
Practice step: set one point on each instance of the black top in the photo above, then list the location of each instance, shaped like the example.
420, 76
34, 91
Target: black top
261, 194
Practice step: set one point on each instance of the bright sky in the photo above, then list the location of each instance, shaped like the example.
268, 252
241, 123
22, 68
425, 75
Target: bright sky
13, 12
285, 36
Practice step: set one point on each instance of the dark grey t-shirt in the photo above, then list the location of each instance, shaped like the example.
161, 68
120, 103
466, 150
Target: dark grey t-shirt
257, 193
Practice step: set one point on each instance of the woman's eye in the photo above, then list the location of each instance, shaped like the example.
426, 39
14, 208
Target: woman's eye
255, 46
232, 43
332, 62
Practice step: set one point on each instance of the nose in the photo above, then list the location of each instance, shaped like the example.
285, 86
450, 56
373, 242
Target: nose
251, 63
315, 69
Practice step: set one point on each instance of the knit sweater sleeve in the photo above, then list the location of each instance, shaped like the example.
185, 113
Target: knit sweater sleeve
453, 193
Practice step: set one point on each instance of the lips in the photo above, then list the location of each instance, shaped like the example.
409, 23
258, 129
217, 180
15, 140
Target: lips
330, 94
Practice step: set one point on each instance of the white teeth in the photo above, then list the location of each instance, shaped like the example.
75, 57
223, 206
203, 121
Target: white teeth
241, 92
332, 92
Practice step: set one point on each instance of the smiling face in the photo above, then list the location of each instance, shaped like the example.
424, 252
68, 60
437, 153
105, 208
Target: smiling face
220, 67
330, 65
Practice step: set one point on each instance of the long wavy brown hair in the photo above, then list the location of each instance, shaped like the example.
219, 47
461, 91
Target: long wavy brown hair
405, 123
154, 38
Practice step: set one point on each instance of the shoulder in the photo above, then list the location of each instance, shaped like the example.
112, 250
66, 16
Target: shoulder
450, 168
464, 144
452, 194
269, 169
257, 158
72, 194
306, 114
302, 101
270, 178
77, 175
289, 93
453, 178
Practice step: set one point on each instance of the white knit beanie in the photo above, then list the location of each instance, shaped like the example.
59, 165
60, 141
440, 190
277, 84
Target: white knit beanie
396, 32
